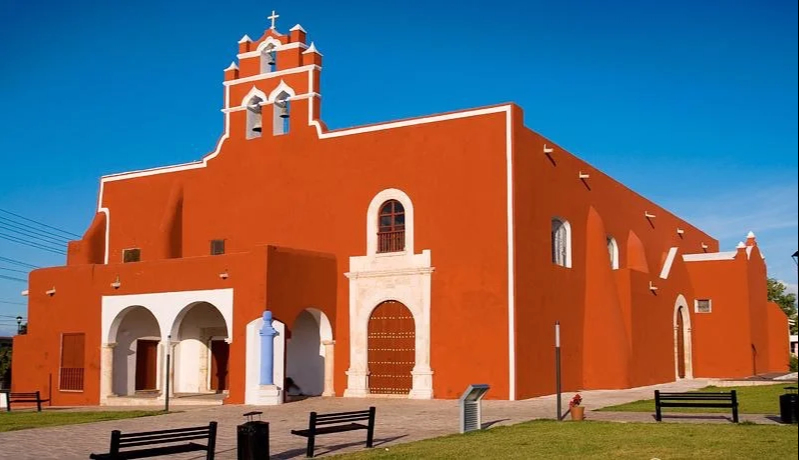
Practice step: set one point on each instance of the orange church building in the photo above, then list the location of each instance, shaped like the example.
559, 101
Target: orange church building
408, 258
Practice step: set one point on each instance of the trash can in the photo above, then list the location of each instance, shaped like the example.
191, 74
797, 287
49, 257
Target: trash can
788, 405
252, 439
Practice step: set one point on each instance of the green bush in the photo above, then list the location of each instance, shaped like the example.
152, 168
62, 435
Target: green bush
792, 364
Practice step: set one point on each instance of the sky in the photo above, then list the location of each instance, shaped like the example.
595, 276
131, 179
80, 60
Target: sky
691, 104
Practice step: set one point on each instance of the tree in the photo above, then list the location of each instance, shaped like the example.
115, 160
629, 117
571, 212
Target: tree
786, 300
5, 366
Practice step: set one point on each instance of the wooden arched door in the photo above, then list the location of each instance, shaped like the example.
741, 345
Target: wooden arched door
392, 349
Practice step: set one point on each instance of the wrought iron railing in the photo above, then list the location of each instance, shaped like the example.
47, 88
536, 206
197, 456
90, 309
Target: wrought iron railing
391, 241
71, 378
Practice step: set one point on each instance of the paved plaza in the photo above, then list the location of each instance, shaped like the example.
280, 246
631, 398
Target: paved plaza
398, 421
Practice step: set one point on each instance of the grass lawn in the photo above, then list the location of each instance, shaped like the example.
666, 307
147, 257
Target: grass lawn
11, 421
761, 399
546, 439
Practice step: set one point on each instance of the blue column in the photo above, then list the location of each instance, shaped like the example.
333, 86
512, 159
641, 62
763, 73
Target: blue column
268, 334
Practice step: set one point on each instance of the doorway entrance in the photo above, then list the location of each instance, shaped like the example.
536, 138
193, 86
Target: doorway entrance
220, 352
146, 364
391, 349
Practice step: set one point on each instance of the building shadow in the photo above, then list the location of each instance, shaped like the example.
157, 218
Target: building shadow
492, 422
327, 449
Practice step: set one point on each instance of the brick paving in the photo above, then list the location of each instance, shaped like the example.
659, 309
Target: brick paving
398, 421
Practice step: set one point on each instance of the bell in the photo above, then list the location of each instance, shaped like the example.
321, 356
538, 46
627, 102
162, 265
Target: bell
283, 111
270, 58
257, 127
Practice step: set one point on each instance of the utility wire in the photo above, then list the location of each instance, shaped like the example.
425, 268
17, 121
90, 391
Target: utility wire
11, 278
17, 262
39, 223
14, 239
31, 232
9, 302
15, 270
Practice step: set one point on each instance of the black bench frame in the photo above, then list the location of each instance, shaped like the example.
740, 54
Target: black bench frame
338, 423
699, 399
18, 397
121, 441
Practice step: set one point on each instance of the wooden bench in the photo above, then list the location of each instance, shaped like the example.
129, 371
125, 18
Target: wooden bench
338, 423
698, 399
120, 442
31, 397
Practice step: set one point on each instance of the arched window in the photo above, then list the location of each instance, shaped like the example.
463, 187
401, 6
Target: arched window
561, 243
280, 118
391, 227
254, 126
268, 59
613, 252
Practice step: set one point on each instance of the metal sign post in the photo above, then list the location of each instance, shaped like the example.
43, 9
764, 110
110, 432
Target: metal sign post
557, 369
471, 408
168, 368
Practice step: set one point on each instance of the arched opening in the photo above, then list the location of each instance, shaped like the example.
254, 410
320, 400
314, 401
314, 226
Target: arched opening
281, 114
391, 345
200, 340
136, 356
306, 352
254, 119
613, 253
268, 59
683, 362
561, 243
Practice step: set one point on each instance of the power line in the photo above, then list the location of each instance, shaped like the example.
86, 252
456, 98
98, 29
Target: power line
11, 278
14, 239
17, 262
12, 317
9, 302
14, 270
39, 223
31, 232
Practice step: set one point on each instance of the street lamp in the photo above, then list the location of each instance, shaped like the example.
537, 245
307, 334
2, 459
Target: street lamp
795, 257
19, 324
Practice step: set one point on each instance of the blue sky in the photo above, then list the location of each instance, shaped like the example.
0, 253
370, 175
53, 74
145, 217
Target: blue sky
691, 104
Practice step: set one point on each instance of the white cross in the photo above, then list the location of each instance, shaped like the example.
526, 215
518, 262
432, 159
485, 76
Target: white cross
272, 18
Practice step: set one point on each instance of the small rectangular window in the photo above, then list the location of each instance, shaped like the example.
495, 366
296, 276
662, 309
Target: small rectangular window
702, 306
217, 247
73, 350
131, 255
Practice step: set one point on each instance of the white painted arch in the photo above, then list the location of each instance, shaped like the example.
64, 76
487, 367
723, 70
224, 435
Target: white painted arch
372, 214
681, 309
168, 308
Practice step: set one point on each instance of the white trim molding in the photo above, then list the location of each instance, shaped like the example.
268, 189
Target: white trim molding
729, 255
664, 273
253, 92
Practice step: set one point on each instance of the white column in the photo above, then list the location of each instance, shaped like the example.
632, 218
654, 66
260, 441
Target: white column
358, 373
107, 371
329, 368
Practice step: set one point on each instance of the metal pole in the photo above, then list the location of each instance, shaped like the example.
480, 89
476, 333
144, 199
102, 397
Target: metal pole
168, 368
557, 367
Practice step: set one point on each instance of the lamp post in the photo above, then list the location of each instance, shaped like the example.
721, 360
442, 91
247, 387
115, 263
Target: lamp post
557, 367
168, 369
19, 324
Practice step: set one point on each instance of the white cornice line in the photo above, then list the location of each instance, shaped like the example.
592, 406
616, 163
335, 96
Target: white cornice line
281, 47
511, 253
266, 76
298, 97
397, 272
